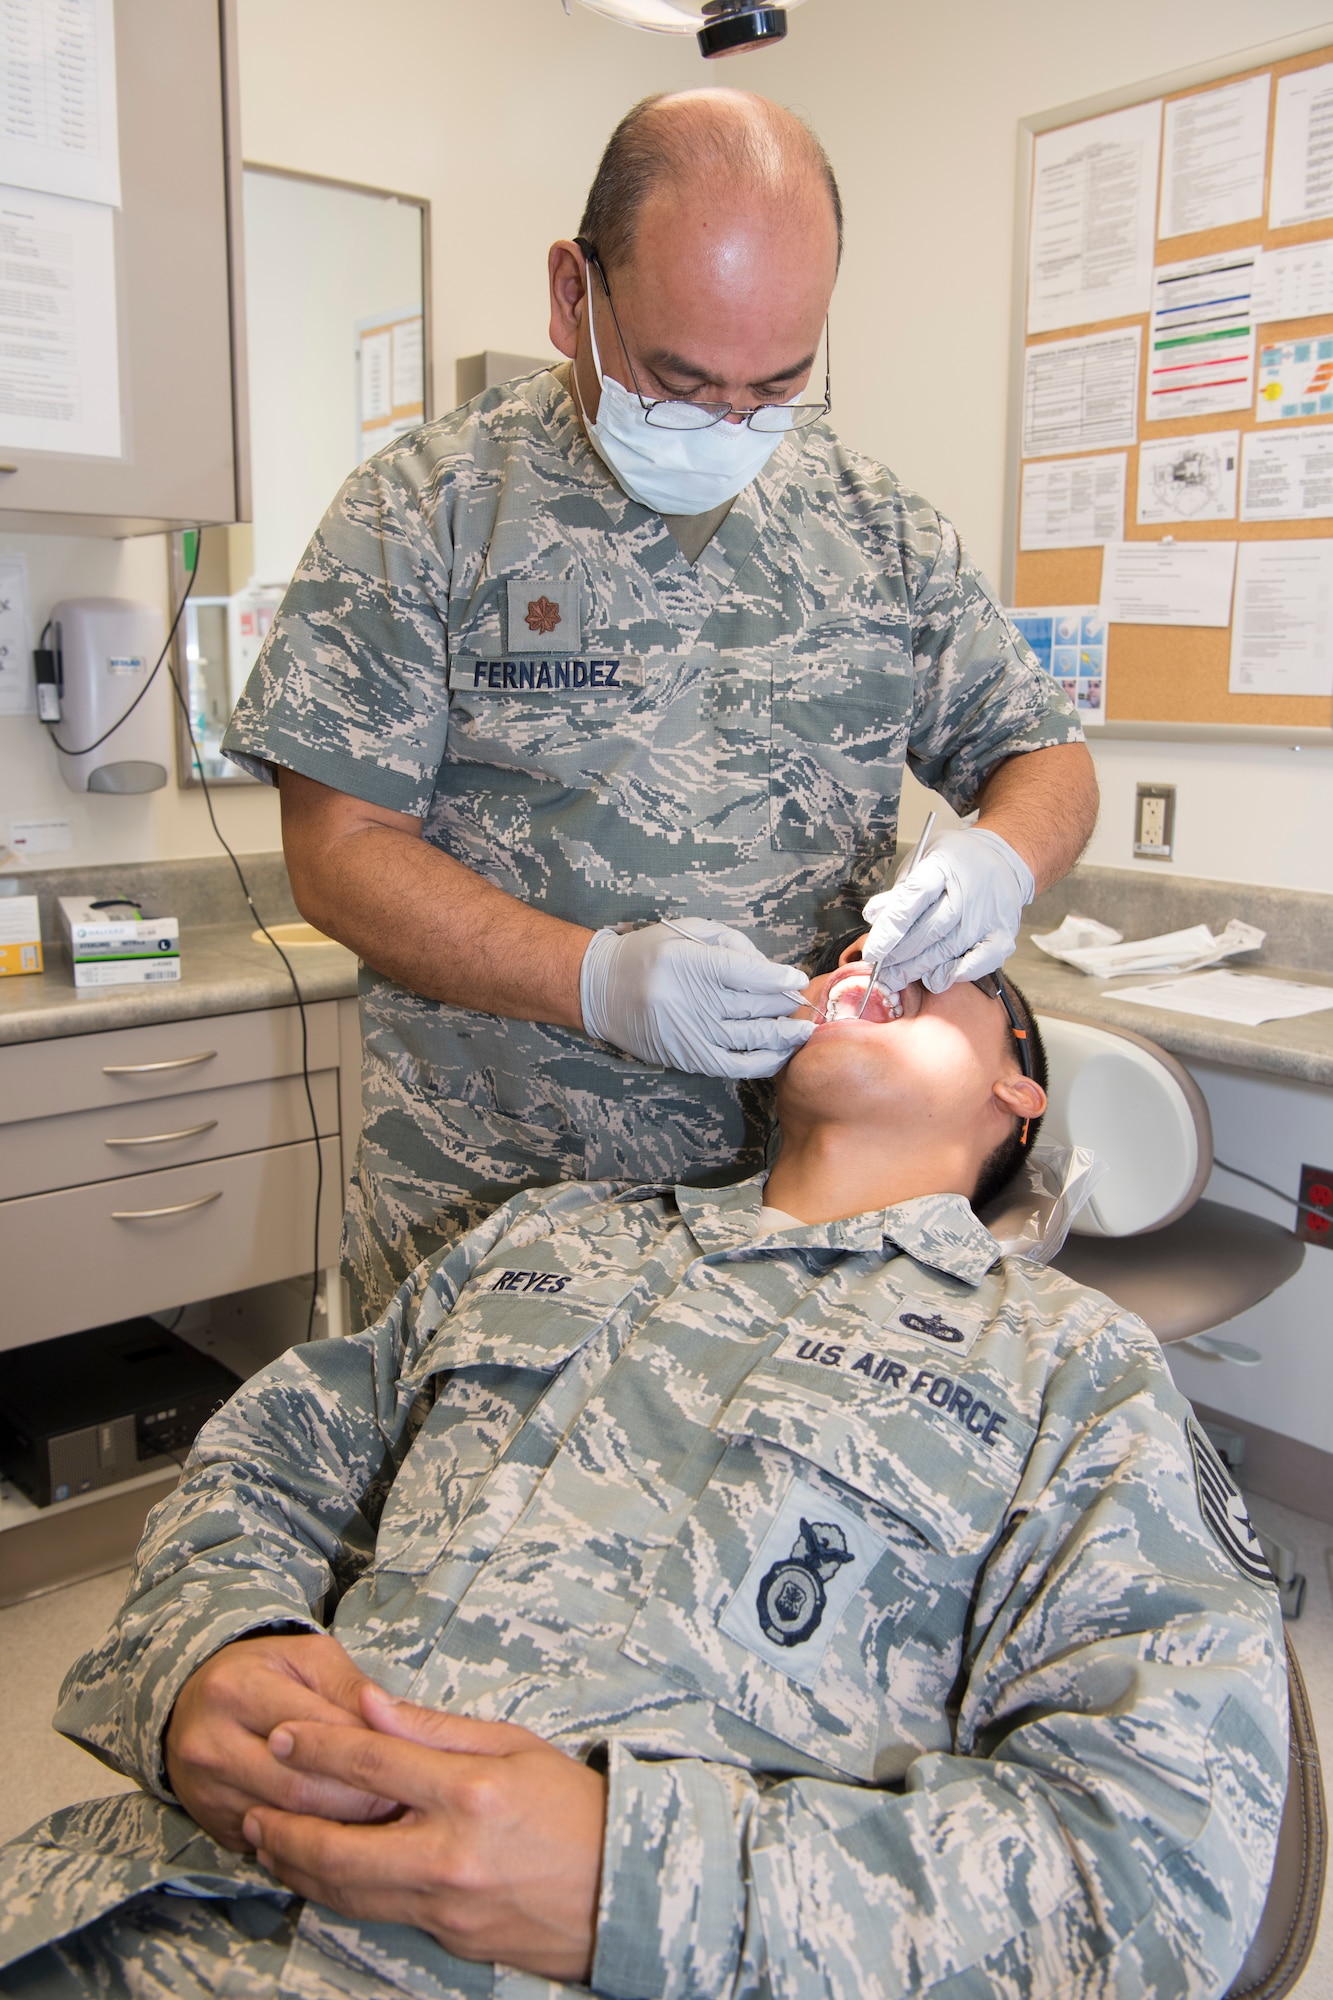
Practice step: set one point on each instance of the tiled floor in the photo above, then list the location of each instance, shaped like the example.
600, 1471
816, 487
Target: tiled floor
40, 1639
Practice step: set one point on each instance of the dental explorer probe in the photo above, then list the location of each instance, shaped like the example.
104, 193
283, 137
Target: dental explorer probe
917, 853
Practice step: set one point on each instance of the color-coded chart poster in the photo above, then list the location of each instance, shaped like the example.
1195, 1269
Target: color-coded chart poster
1069, 641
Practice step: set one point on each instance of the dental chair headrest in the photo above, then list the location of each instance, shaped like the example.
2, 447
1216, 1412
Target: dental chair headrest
1125, 1099
1117, 1099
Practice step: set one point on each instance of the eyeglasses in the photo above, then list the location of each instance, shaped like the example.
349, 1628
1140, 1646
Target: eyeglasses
673, 413
995, 988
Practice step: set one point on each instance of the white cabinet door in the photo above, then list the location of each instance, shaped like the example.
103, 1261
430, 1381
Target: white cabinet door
184, 438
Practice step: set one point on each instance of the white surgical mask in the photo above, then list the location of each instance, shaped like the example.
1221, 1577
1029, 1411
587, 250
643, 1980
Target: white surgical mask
674, 472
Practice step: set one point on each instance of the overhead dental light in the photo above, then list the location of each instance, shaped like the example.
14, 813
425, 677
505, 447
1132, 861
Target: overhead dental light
723, 27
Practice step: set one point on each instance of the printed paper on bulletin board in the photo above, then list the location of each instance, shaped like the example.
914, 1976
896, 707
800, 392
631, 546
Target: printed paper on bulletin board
1180, 674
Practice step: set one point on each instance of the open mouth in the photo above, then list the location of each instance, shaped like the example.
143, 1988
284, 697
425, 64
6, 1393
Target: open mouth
846, 994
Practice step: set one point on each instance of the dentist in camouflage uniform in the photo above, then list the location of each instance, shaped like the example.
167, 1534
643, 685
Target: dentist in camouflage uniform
638, 638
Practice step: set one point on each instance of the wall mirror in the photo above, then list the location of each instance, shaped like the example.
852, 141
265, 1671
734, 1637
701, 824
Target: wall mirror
337, 312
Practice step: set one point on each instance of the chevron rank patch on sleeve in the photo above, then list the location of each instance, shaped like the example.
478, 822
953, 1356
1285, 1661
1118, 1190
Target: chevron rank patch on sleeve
1223, 1509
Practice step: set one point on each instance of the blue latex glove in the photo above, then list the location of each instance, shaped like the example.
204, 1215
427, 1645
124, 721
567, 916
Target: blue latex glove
707, 1002
954, 916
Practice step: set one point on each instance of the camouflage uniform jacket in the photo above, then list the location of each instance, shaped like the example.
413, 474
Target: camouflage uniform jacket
929, 1651
488, 634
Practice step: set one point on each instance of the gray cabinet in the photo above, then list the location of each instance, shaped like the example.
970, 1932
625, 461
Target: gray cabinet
179, 305
149, 1166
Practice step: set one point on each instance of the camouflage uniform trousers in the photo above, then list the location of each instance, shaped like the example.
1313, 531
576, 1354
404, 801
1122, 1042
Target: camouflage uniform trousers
166, 1947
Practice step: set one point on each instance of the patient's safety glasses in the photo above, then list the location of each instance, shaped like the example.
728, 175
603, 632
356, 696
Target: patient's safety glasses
995, 988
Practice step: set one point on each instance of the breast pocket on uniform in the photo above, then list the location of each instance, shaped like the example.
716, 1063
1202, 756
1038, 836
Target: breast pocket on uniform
513, 1331
814, 1591
841, 711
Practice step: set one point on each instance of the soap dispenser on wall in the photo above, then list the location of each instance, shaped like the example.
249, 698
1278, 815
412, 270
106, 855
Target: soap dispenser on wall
106, 649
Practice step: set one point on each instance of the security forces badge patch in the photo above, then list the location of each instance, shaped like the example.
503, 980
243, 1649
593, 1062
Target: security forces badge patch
809, 1566
791, 1598
1223, 1509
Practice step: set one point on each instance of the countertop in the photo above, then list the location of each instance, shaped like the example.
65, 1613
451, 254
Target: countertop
223, 971
1301, 1049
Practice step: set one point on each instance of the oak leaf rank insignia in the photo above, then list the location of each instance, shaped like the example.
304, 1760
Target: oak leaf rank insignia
543, 615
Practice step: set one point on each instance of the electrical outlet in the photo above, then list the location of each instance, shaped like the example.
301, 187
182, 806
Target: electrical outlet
1155, 822
1317, 1190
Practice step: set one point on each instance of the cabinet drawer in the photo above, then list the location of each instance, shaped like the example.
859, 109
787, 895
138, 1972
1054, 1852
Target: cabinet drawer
40, 1154
166, 1059
86, 1256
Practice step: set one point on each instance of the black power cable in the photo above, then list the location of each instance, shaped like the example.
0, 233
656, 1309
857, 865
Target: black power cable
197, 756
1306, 1207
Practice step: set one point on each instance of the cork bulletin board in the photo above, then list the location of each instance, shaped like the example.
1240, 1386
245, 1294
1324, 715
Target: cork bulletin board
1175, 680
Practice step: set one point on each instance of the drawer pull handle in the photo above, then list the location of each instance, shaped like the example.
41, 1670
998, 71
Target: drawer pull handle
177, 1208
142, 1069
165, 1138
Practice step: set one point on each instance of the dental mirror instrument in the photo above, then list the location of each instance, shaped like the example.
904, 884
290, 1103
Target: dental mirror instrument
917, 853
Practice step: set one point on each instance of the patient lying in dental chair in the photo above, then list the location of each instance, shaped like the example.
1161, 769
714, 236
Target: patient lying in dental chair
689, 1593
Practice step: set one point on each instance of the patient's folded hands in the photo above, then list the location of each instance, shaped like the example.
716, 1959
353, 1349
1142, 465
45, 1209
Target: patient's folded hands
280, 1743
218, 1761
497, 1853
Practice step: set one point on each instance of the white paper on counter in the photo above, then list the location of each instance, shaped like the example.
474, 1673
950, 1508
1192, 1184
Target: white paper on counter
1081, 395
1282, 634
1248, 998
1173, 951
1168, 583
1201, 336
58, 130
1301, 186
18, 693
1076, 933
1288, 475
1295, 283
1073, 503
1094, 192
59, 364
1188, 478
1214, 149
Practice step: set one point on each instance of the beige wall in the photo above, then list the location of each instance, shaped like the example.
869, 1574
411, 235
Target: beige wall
496, 110
499, 111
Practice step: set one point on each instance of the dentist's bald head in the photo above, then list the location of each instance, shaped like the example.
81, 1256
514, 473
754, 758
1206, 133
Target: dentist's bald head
715, 154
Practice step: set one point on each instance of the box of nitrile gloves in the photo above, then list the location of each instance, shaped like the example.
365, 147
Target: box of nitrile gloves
20, 935
114, 944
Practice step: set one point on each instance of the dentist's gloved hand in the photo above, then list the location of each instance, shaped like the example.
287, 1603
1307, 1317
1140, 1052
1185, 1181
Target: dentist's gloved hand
708, 1003
954, 916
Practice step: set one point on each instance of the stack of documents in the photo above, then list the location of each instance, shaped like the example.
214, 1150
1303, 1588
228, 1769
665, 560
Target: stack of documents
1246, 997
1099, 951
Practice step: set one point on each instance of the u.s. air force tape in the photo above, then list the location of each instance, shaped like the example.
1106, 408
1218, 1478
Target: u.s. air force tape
599, 676
1223, 1508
